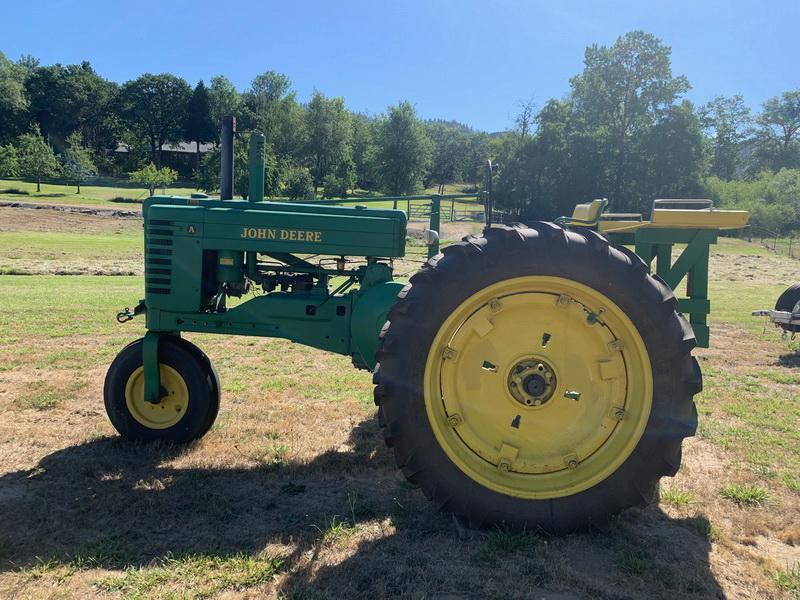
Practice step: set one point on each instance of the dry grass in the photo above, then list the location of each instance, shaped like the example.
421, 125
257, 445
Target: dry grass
293, 494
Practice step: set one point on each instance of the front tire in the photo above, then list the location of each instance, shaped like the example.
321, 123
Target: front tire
557, 414
189, 393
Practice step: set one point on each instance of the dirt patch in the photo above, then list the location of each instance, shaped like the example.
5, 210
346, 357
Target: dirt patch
105, 212
24, 218
451, 230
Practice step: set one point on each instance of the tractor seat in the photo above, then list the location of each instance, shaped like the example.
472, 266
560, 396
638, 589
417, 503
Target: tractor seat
585, 215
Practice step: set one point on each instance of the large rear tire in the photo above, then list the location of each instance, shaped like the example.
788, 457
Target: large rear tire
536, 377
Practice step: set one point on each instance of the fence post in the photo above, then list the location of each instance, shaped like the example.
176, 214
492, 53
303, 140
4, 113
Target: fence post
436, 205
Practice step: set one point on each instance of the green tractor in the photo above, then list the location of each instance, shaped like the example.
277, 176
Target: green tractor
536, 376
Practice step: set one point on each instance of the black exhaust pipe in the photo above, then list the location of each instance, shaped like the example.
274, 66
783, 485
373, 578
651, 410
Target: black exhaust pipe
226, 159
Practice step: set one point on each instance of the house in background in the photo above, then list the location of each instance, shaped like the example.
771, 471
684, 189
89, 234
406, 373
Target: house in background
181, 156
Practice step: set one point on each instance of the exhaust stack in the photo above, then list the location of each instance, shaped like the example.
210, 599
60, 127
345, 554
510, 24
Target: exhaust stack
226, 159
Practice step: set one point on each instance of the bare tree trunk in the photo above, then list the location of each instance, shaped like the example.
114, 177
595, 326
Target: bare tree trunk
38, 182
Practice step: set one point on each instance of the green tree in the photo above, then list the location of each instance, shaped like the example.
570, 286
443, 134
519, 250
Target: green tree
223, 100
621, 133
622, 92
152, 108
773, 199
785, 192
726, 120
9, 164
336, 187
13, 100
299, 184
270, 106
152, 177
197, 124
604, 136
208, 173
364, 152
71, 98
457, 152
403, 150
328, 145
36, 158
76, 160
526, 118
669, 156
778, 137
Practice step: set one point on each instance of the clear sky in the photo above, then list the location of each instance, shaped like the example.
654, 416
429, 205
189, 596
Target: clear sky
470, 60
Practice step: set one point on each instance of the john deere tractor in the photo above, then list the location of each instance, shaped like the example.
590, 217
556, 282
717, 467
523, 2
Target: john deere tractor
538, 375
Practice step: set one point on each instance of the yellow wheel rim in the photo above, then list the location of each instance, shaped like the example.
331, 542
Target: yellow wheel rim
166, 413
538, 387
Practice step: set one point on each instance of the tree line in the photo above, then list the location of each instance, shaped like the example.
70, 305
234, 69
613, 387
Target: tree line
624, 131
317, 147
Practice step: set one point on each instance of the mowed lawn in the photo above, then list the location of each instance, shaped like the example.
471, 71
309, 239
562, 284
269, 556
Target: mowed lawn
123, 196
292, 494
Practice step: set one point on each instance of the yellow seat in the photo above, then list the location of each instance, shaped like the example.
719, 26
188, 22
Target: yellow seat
586, 215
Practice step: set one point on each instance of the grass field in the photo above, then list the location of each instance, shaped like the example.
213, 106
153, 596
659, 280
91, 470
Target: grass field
91, 195
293, 494
123, 196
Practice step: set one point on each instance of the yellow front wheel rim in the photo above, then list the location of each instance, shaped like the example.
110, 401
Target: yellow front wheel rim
538, 387
174, 400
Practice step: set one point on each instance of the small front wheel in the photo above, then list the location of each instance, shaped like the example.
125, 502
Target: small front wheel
189, 393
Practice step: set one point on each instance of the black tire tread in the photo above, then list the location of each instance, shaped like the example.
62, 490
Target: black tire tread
492, 257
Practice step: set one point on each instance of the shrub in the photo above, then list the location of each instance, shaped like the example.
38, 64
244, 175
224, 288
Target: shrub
334, 187
9, 165
299, 184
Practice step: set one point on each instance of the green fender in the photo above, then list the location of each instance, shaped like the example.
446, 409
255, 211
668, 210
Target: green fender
369, 315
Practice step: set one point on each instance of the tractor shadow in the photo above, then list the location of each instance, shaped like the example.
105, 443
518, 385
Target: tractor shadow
112, 504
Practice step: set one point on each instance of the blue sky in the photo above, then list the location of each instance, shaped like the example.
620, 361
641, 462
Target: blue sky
471, 60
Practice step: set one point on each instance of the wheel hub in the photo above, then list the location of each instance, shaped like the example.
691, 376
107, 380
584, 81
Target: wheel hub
532, 382
170, 408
